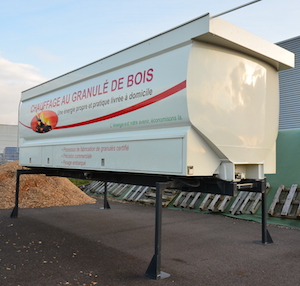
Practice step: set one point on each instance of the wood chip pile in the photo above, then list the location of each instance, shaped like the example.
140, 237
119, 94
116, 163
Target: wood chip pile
38, 191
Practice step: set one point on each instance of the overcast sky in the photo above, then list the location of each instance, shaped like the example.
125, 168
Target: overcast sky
41, 40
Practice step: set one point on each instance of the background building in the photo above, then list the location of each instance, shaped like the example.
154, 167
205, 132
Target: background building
8, 138
288, 140
290, 89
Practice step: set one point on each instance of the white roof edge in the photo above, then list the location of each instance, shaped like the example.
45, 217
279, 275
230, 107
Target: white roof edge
272, 53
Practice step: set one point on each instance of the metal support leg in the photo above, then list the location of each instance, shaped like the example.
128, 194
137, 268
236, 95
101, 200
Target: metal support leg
14, 213
266, 237
153, 270
106, 204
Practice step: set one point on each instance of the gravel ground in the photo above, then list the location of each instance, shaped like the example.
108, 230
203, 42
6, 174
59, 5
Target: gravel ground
84, 245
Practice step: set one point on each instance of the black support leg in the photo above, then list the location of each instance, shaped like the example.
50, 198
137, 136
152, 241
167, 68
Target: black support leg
106, 204
15, 211
153, 270
265, 235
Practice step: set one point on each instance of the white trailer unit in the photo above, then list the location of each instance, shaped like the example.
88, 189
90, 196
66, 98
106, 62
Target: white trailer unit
200, 100
195, 108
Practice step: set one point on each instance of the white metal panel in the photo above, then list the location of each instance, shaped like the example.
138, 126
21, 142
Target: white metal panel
158, 156
136, 97
31, 156
233, 102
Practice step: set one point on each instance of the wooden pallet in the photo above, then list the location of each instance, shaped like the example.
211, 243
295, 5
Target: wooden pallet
246, 203
187, 199
134, 193
211, 202
119, 189
150, 197
147, 195
94, 187
286, 203
114, 189
215, 203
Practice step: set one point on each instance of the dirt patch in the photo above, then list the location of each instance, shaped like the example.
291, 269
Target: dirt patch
38, 191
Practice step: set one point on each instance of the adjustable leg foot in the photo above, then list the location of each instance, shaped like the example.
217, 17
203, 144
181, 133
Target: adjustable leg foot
14, 213
153, 271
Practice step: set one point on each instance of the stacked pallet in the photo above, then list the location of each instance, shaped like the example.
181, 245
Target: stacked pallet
244, 203
131, 193
286, 203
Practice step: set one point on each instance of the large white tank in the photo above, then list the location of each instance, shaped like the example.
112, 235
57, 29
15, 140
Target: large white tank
199, 100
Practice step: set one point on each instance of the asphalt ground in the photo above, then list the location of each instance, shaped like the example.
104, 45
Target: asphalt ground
85, 245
